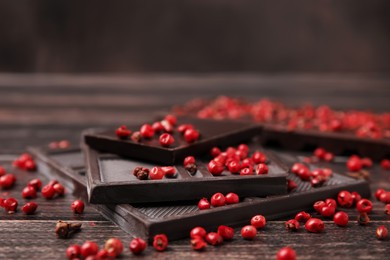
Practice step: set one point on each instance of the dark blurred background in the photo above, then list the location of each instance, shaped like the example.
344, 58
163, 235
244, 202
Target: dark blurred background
195, 36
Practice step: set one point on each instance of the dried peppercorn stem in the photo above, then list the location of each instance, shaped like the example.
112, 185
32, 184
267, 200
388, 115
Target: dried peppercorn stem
64, 229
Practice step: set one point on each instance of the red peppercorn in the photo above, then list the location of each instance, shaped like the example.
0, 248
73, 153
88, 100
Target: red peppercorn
227, 233
198, 232
2, 171
156, 173
137, 246
319, 205
189, 160
218, 200
328, 211
292, 225
215, 151
35, 183
191, 135
7, 181
261, 168
354, 164
246, 171
387, 209
122, 132
73, 251
136, 136
291, 185
385, 197
166, 140
378, 193
215, 168
258, 157
146, 131
77, 206
232, 198
59, 189
296, 167
157, 127
246, 163
214, 239
102, 254
286, 253
258, 221
344, 199
363, 219
364, 205
328, 157
302, 216
331, 202
314, 225
385, 164
355, 197
169, 171
114, 247
203, 204
243, 147
10, 205
320, 153
198, 244
30, 208
182, 128
48, 191
2, 202
304, 173
171, 119
52, 182
382, 232
366, 162
160, 242
341, 219
248, 232
89, 248
29, 193
234, 167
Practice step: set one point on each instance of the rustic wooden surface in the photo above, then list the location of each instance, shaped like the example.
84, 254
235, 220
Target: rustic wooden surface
35, 110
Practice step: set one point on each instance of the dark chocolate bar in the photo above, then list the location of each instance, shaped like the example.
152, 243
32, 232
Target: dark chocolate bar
110, 180
176, 220
212, 133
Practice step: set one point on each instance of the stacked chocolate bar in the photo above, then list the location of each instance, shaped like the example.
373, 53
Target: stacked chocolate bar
149, 179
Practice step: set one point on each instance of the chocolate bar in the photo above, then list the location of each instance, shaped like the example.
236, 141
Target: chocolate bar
110, 179
212, 133
176, 220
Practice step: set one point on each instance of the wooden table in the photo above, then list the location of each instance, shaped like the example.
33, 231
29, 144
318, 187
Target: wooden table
37, 109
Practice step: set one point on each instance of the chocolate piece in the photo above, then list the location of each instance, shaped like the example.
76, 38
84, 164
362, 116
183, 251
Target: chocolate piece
110, 179
338, 143
176, 220
213, 133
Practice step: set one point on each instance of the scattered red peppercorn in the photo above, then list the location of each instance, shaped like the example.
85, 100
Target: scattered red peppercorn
59, 189
136, 136
314, 225
246, 171
137, 246
10, 205
215, 151
227, 233
102, 254
248, 232
169, 171
258, 157
198, 232
48, 191
7, 181
331, 202
203, 204
378, 193
160, 242
114, 247
232, 198
291, 185
320, 153
318, 206
387, 209
166, 140
261, 168
214, 239
30, 208
286, 253
385, 164
329, 157
191, 135
304, 173
364, 205
168, 128
157, 127
189, 160
171, 119
341, 219
198, 244
258, 221
122, 132
146, 131
385, 197
156, 173
296, 167
292, 225
73, 252
366, 162
77, 206
29, 192
382, 232
363, 219
35, 183
234, 167
354, 164
302, 216
215, 168
89, 248
218, 200
355, 197
328, 211
344, 199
